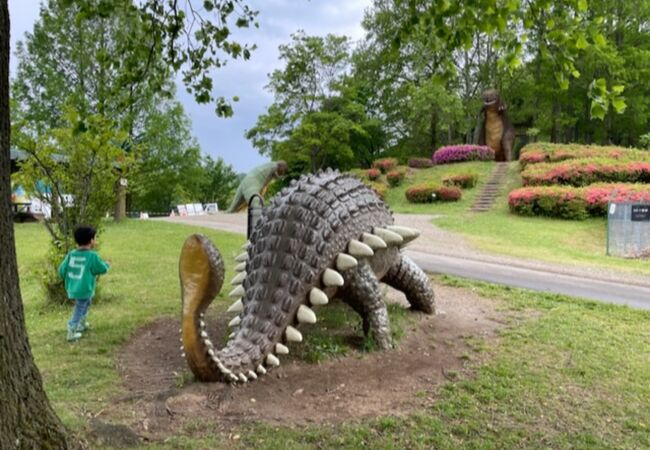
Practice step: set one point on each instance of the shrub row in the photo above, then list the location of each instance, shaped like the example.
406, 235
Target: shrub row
418, 163
428, 193
385, 164
460, 153
544, 152
586, 172
574, 203
461, 180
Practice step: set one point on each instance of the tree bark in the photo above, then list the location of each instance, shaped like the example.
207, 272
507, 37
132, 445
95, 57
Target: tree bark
27, 420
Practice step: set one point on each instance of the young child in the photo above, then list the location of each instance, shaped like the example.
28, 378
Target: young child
79, 269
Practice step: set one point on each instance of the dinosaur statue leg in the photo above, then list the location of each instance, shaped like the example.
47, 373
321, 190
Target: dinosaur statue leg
507, 141
362, 292
407, 277
237, 202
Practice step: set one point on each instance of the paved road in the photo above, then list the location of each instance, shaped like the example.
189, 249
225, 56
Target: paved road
438, 251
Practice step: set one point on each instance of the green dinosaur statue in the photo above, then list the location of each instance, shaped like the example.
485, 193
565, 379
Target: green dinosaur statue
256, 182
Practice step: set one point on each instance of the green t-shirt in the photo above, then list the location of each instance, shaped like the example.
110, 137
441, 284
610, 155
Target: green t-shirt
79, 270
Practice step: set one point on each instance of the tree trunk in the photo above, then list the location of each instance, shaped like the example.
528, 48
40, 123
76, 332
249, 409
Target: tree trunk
27, 420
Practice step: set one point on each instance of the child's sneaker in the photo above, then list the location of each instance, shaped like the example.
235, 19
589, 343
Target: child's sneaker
84, 325
73, 334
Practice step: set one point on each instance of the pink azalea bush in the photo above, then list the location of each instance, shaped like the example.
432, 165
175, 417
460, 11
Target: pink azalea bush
586, 172
569, 202
419, 163
428, 193
385, 164
460, 153
545, 152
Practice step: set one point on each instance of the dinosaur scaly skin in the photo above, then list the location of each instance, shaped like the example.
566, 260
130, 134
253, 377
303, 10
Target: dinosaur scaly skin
326, 235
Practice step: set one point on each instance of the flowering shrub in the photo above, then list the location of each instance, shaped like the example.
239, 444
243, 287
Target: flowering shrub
379, 188
545, 152
385, 164
460, 153
461, 180
585, 172
574, 203
427, 193
418, 163
394, 178
373, 174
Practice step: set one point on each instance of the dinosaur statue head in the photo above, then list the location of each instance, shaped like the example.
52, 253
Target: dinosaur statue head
491, 98
281, 169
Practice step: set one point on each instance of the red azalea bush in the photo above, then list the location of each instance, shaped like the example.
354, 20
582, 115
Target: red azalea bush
574, 203
385, 164
541, 152
373, 174
427, 193
461, 180
586, 172
394, 178
460, 153
419, 163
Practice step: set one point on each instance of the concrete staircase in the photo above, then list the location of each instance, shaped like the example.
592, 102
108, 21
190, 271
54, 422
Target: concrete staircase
491, 189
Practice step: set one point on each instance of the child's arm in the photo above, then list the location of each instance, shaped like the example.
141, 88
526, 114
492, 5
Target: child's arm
63, 268
99, 266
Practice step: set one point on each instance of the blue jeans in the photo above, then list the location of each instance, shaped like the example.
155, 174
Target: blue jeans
79, 313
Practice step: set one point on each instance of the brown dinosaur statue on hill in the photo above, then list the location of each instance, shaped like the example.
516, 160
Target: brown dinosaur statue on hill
494, 128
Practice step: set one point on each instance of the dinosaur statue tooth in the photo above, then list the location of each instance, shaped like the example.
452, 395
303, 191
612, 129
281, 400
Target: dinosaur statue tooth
240, 267
239, 278
390, 237
292, 334
238, 306
306, 315
332, 278
208, 343
252, 375
242, 258
272, 360
408, 234
202, 315
237, 292
182, 348
234, 322
318, 297
204, 335
261, 369
231, 335
232, 377
373, 241
183, 355
356, 248
201, 323
210, 352
345, 261
243, 378
281, 349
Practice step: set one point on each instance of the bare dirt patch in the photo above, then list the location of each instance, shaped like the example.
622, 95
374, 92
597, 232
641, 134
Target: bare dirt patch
434, 349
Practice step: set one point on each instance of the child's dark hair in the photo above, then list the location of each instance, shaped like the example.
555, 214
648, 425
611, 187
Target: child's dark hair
84, 234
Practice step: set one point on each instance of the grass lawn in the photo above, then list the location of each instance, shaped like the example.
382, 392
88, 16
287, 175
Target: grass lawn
556, 240
397, 201
498, 231
569, 374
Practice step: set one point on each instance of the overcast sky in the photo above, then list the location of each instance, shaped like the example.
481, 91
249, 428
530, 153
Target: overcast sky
278, 19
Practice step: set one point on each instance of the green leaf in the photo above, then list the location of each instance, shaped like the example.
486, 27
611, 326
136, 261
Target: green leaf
599, 39
575, 73
618, 89
597, 110
550, 24
619, 105
581, 43
582, 5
